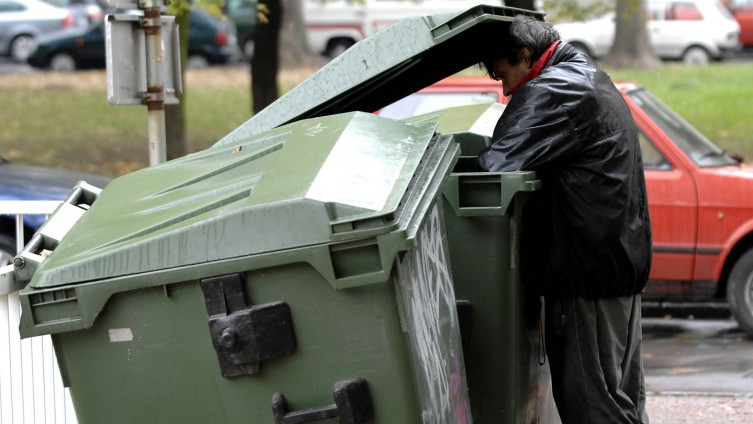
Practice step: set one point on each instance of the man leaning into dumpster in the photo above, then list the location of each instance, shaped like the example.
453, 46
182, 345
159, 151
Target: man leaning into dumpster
586, 245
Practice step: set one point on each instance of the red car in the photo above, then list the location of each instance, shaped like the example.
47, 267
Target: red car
701, 200
742, 10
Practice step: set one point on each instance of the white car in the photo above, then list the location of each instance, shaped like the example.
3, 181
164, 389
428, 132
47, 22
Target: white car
22, 21
334, 25
694, 31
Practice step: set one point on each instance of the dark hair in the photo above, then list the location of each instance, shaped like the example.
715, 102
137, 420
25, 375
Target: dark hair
525, 32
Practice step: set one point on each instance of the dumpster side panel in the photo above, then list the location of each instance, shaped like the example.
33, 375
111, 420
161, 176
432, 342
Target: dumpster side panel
430, 317
508, 379
497, 354
149, 356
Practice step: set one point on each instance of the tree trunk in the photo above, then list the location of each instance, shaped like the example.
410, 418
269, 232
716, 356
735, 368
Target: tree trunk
175, 123
631, 47
521, 4
266, 60
294, 51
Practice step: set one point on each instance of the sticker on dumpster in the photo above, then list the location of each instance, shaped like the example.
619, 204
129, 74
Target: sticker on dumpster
120, 335
360, 172
428, 302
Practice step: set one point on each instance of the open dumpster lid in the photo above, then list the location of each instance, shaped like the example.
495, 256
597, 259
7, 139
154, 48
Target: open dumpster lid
398, 60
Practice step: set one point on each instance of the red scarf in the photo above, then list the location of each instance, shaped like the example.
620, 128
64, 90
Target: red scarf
538, 67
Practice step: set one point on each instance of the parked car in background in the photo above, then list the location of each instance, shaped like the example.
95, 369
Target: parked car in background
23, 21
334, 25
700, 199
210, 41
243, 15
694, 31
450, 92
24, 182
67, 51
85, 12
742, 10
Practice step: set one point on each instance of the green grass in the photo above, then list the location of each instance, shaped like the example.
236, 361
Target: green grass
76, 128
66, 121
716, 99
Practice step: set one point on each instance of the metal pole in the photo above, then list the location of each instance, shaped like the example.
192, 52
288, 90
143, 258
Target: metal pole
155, 81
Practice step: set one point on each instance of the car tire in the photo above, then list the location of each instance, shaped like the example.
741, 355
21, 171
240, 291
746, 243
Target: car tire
740, 291
22, 47
7, 249
63, 62
338, 47
696, 55
197, 62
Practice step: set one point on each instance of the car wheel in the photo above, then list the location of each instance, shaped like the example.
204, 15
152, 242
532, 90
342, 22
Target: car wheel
22, 47
63, 62
338, 47
696, 56
197, 62
7, 249
740, 291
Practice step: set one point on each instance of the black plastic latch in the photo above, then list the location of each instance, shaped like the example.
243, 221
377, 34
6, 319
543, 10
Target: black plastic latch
465, 320
243, 335
352, 406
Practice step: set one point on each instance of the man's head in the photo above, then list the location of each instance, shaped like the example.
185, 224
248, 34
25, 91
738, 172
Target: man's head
528, 40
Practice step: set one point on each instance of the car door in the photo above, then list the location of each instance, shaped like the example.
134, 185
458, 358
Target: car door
673, 203
674, 23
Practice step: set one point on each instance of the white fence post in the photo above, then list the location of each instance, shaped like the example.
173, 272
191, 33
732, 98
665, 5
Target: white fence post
31, 390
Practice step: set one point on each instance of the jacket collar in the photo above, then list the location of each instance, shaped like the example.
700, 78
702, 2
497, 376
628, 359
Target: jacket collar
540, 64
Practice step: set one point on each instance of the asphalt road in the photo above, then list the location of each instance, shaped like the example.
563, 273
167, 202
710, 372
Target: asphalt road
698, 371
697, 356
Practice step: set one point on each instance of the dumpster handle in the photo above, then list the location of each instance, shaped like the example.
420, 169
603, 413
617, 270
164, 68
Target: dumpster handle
352, 404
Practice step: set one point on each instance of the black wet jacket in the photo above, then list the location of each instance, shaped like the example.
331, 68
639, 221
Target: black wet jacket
587, 232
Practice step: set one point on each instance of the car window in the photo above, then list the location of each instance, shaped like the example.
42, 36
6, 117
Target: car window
420, 103
652, 158
695, 145
682, 11
241, 7
725, 12
736, 3
10, 6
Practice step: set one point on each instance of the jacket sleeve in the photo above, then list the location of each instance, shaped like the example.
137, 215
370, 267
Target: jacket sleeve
534, 133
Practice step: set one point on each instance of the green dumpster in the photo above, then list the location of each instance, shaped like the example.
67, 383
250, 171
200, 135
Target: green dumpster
309, 266
301, 272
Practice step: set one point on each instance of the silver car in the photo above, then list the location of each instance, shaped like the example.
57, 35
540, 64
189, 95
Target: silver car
85, 12
21, 21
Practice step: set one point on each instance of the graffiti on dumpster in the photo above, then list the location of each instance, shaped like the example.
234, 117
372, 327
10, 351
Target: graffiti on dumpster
428, 301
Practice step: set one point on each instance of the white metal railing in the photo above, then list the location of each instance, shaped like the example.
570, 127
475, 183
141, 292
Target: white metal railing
31, 390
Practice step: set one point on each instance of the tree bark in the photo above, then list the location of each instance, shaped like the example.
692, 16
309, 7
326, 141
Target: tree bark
631, 48
175, 123
266, 60
294, 51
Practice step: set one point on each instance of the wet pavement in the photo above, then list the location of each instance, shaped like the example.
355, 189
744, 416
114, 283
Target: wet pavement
709, 357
